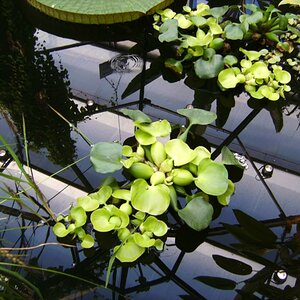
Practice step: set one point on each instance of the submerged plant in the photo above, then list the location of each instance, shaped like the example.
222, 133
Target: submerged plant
160, 173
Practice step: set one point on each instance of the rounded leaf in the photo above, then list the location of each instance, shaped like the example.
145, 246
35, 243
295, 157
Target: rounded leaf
225, 198
87, 241
179, 151
78, 215
144, 138
212, 177
128, 252
154, 200
201, 153
227, 79
60, 230
143, 240
206, 69
158, 153
182, 177
157, 227
106, 157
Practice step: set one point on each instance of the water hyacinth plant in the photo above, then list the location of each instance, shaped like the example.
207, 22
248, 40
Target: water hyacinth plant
159, 174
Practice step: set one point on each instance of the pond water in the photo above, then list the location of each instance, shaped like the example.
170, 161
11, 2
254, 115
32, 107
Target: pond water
84, 81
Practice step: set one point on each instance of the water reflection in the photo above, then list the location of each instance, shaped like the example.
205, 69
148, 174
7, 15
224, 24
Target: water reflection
33, 81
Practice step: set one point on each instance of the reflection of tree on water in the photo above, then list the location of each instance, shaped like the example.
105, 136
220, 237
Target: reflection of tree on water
29, 81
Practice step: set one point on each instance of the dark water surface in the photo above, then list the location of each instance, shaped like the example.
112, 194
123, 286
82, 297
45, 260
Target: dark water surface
84, 81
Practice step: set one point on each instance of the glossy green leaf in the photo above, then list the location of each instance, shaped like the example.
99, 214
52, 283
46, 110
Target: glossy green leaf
183, 22
290, 2
60, 229
218, 12
109, 218
224, 199
78, 215
255, 228
230, 60
228, 79
200, 153
198, 116
152, 224
232, 265
174, 65
88, 203
129, 251
228, 158
260, 70
122, 194
158, 153
268, 92
198, 21
158, 129
251, 54
253, 18
217, 282
282, 76
154, 200
212, 177
197, 214
206, 69
143, 240
233, 32
106, 157
168, 31
217, 43
88, 241
144, 138
136, 115
179, 151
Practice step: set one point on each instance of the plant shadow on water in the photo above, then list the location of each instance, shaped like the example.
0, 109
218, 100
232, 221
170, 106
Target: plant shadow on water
153, 229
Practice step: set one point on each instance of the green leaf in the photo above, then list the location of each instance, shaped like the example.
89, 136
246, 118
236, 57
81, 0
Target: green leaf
290, 2
136, 115
179, 151
201, 153
260, 70
217, 282
197, 214
169, 31
282, 76
78, 215
158, 129
198, 116
198, 21
228, 79
232, 265
230, 60
233, 32
174, 65
256, 229
141, 170
109, 218
228, 158
143, 240
154, 200
251, 54
60, 230
144, 138
212, 177
88, 203
218, 12
122, 194
206, 69
225, 198
254, 18
183, 22
129, 251
106, 157
152, 224
87, 241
